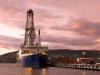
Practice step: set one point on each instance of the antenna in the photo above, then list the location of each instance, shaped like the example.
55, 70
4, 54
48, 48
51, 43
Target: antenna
39, 38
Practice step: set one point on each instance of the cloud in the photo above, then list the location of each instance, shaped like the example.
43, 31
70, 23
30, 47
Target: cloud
85, 27
9, 42
81, 26
12, 13
76, 33
53, 18
69, 41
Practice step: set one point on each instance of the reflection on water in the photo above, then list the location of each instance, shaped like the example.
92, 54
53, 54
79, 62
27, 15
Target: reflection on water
57, 71
44, 71
83, 73
34, 71
27, 71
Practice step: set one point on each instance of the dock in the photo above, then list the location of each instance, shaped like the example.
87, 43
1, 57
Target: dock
95, 67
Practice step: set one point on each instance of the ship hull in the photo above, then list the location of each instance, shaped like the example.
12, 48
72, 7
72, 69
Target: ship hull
37, 61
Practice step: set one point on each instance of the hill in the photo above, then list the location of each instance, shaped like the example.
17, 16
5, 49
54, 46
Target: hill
8, 58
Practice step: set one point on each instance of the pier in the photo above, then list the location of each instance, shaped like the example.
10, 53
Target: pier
79, 66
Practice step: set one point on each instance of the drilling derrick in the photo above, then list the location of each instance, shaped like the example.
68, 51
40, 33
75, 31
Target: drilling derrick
30, 35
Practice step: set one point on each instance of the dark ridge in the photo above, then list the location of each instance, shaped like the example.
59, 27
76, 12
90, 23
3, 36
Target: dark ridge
8, 58
75, 53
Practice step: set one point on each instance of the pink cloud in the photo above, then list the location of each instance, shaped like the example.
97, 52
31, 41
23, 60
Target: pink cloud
9, 42
53, 17
81, 26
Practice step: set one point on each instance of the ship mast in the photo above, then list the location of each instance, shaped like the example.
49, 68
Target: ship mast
39, 42
39, 38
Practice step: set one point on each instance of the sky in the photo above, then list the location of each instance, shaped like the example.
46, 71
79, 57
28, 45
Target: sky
67, 24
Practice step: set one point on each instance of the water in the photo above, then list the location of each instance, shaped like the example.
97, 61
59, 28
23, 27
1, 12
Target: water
58, 71
15, 69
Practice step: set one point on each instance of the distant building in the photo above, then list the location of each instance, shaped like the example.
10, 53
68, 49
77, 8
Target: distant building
74, 56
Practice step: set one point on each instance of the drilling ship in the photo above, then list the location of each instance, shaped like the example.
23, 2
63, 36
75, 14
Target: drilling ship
32, 53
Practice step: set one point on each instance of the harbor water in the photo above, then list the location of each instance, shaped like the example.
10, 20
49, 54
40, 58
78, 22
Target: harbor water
15, 69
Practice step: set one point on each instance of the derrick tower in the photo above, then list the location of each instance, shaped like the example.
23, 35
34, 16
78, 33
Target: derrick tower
30, 34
